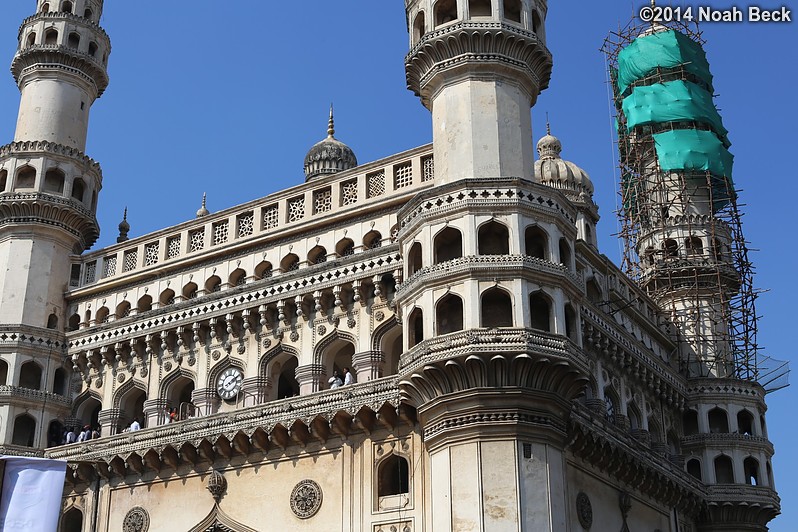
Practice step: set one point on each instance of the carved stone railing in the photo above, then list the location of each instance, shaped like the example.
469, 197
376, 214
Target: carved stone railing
20, 450
36, 146
18, 393
25, 336
728, 441
62, 15
349, 400
65, 213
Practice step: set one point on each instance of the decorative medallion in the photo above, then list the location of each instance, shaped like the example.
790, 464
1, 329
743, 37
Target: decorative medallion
306, 499
351, 323
136, 520
217, 485
121, 378
584, 510
267, 343
322, 330
216, 354
379, 315
143, 372
294, 336
241, 349
98, 383
167, 366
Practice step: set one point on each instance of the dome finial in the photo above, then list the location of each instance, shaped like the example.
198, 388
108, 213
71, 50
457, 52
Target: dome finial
548, 124
124, 228
331, 124
203, 211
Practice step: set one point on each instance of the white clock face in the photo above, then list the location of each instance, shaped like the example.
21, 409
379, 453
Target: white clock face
229, 383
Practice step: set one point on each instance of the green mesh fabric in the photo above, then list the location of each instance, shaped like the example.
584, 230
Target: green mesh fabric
674, 101
691, 150
667, 49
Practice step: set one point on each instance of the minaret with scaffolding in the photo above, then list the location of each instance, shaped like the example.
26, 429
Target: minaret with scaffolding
684, 245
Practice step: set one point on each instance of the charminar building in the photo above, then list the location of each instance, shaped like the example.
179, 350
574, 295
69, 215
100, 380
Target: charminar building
507, 376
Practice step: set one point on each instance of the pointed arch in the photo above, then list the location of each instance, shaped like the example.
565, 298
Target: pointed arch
26, 177
24, 431
213, 284
317, 255
345, 247
540, 311
414, 260
415, 325
263, 270
87, 408
536, 242
30, 375
167, 297
72, 520
444, 11
54, 178
449, 314
144, 304
497, 308
493, 238
387, 338
372, 240
218, 520
419, 27
447, 245
393, 475
289, 263
237, 278
171, 387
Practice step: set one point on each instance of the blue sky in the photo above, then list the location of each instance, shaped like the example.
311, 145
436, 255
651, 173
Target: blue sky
227, 97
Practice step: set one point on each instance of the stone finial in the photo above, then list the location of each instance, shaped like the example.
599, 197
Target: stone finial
217, 485
124, 229
331, 124
203, 211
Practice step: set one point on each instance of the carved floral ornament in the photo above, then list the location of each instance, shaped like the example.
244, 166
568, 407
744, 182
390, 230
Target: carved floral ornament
584, 510
306, 499
136, 520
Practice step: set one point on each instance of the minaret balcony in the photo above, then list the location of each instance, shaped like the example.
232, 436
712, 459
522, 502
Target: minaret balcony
48, 56
58, 15
17, 395
727, 441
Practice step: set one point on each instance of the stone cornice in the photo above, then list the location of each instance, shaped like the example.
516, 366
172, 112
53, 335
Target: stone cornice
38, 147
19, 396
59, 15
727, 441
45, 55
25, 336
51, 210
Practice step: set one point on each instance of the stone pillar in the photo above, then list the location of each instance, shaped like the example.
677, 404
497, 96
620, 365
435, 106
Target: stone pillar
109, 421
255, 390
154, 412
368, 365
206, 401
311, 378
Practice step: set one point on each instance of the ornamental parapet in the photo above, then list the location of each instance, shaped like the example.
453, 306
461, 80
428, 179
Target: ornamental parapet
470, 44
20, 450
729, 441
27, 337
9, 394
710, 390
620, 455
50, 210
736, 507
488, 267
28, 147
277, 425
60, 15
49, 56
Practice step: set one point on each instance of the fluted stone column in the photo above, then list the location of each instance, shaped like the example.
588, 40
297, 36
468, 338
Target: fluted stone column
155, 412
311, 378
256, 390
206, 401
109, 421
368, 365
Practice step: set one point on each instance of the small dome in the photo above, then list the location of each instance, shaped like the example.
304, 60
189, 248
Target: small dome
553, 171
203, 211
329, 156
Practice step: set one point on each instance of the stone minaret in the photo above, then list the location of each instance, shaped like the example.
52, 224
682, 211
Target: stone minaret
48, 199
488, 302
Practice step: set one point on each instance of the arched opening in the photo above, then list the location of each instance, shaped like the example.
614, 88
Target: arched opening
74, 322
66, 7
718, 421
26, 177
144, 304
213, 284
167, 297
570, 323
445, 11
745, 423
78, 189
61, 382
690, 422
654, 430
284, 373
493, 239
565, 253
391, 347
372, 240
88, 14
72, 521
54, 181
671, 248
694, 468
512, 10
102, 315
449, 314
88, 412
3, 373
448, 245
345, 247
415, 324
317, 255
594, 292
55, 431
51, 37
122, 310
693, 245
414, 263
87, 317
724, 470
540, 312
93, 49
24, 431
337, 357
178, 397
393, 476
649, 256
190, 291
73, 41
30, 376
46, 7
237, 278
419, 27
635, 418
751, 468
3, 179
132, 406
718, 250
536, 242
537, 25
289, 263
497, 308
479, 8
52, 321
263, 270
31, 39
674, 448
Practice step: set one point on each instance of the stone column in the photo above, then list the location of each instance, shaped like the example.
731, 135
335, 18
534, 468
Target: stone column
311, 378
206, 401
368, 365
256, 390
109, 421
154, 412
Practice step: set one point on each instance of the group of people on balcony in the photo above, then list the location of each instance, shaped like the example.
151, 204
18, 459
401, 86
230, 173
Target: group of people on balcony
336, 381
76, 435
